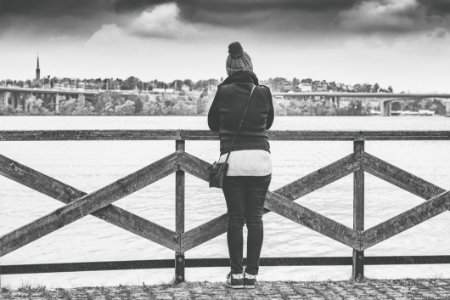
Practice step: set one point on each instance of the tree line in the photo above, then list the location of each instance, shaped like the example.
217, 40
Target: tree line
198, 103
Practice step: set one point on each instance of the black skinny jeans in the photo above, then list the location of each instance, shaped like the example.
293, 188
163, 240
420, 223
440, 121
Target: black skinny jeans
245, 197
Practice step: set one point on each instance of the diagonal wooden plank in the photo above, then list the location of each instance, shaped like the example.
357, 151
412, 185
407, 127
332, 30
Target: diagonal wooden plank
205, 232
320, 178
66, 194
37, 181
87, 204
211, 229
399, 177
139, 226
312, 220
406, 220
194, 165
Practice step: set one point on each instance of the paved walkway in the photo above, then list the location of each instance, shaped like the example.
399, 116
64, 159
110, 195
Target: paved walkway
368, 289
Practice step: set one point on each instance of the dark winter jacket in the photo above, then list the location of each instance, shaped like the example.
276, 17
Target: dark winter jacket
227, 109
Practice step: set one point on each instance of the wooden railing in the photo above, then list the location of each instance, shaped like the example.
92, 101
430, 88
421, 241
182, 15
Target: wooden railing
280, 201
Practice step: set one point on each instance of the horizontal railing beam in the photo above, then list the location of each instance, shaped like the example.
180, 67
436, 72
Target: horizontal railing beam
276, 135
217, 262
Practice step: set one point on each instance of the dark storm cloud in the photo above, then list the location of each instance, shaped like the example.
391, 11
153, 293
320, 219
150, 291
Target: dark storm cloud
385, 17
55, 8
75, 8
398, 17
191, 10
92, 7
239, 6
135, 5
235, 13
84, 17
72, 17
389, 17
439, 7
52, 17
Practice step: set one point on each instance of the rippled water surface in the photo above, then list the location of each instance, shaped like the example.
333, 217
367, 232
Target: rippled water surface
90, 165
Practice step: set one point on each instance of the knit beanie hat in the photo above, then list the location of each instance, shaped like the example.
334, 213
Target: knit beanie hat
238, 59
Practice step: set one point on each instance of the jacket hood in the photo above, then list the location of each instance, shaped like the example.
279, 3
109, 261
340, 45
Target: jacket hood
241, 76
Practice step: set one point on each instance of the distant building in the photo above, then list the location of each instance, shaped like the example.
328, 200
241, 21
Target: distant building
286, 86
163, 91
185, 88
37, 79
305, 87
38, 70
322, 87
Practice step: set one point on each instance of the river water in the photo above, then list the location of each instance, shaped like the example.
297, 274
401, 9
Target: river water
90, 165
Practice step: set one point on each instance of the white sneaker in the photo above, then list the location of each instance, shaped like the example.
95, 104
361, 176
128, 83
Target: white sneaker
249, 281
235, 281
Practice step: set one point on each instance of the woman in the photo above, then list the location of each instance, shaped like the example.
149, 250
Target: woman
249, 163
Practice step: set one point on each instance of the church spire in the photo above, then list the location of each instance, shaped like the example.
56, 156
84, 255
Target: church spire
38, 70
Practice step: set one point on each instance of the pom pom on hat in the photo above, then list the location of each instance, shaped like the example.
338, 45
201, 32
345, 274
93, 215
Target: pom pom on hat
235, 50
238, 59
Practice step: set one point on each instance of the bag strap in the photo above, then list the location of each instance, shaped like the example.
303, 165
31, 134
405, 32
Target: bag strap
244, 114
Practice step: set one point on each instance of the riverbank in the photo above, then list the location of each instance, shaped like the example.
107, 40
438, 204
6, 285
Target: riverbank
368, 289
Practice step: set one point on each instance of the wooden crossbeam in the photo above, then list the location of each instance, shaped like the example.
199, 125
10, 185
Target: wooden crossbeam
205, 232
211, 229
320, 178
194, 165
406, 220
312, 220
399, 177
87, 204
66, 194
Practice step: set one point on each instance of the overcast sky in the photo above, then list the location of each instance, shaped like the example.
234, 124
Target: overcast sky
403, 43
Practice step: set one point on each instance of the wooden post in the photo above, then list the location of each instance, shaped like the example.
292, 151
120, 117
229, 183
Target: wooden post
358, 211
179, 217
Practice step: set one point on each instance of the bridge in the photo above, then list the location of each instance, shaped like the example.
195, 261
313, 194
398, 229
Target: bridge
385, 100
15, 89
14, 96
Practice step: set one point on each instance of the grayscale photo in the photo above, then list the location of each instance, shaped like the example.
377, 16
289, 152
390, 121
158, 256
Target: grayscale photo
224, 149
